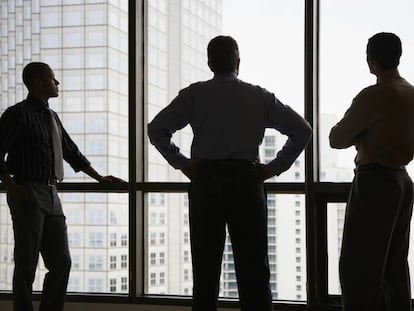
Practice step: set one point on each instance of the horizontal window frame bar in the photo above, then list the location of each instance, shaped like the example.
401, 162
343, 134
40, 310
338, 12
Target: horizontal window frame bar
319, 188
164, 300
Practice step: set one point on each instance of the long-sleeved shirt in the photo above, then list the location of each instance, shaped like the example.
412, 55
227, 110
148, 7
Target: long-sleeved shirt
380, 124
228, 118
26, 148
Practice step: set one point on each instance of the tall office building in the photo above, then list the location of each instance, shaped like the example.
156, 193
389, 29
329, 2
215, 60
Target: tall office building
178, 33
86, 44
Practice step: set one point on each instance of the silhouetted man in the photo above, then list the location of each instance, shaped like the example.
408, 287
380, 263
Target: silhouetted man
228, 118
33, 145
373, 265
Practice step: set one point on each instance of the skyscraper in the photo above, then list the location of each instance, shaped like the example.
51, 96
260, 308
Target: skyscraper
86, 44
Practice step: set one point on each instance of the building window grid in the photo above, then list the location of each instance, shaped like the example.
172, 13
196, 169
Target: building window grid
298, 295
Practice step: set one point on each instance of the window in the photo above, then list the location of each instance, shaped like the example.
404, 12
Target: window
113, 239
76, 262
86, 42
190, 40
95, 263
96, 239
186, 237
95, 285
337, 165
153, 259
124, 261
186, 256
153, 280
162, 258
124, 284
124, 240
153, 238
162, 238
74, 239
162, 278
112, 287
186, 275
112, 262
282, 240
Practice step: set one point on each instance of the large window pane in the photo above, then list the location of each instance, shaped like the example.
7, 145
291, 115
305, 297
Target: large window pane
93, 91
90, 59
98, 241
168, 268
345, 29
270, 37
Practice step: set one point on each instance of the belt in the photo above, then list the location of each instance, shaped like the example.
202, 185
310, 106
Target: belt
50, 182
376, 166
228, 162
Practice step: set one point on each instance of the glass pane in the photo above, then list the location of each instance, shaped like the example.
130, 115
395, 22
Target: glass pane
178, 58
98, 241
168, 269
6, 246
343, 69
93, 97
336, 217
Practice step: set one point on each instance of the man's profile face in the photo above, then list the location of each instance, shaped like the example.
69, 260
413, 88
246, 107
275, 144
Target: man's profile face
49, 84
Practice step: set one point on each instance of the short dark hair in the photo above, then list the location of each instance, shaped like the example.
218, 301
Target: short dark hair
223, 54
33, 71
385, 48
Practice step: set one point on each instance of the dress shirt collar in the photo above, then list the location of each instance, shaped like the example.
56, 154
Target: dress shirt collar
225, 76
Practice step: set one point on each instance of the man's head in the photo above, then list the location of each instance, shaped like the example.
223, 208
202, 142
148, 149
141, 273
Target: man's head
385, 50
40, 80
223, 55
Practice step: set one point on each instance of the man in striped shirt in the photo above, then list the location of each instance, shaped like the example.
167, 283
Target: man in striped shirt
30, 165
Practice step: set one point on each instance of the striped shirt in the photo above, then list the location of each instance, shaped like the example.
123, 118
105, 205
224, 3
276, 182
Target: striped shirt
26, 142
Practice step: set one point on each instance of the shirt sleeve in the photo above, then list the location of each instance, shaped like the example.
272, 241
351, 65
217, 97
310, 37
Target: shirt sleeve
171, 119
285, 120
10, 123
71, 152
355, 121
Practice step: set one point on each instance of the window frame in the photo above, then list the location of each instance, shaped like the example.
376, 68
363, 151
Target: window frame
317, 194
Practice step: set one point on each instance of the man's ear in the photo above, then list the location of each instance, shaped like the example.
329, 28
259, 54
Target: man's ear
237, 66
37, 84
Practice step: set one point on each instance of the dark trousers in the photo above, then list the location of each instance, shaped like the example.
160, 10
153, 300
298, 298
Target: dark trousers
39, 226
232, 193
373, 266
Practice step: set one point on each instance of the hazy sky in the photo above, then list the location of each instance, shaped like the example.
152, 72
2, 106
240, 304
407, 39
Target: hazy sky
270, 38
270, 34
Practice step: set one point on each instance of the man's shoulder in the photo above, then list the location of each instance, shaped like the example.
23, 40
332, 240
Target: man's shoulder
254, 87
18, 107
368, 92
191, 87
208, 84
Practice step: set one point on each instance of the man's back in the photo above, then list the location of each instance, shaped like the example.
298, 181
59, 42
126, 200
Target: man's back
380, 124
391, 136
229, 116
